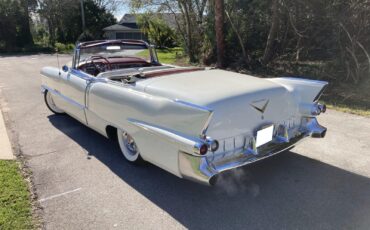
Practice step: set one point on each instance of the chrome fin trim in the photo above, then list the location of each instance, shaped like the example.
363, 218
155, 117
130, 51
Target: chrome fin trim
204, 108
67, 99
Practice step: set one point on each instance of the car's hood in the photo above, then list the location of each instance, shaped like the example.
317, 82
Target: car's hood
207, 87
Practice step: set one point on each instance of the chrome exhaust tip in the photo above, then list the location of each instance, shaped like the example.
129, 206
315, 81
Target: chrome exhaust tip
319, 134
213, 180
314, 129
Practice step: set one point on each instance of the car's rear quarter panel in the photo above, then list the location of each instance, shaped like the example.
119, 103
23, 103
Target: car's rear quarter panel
119, 105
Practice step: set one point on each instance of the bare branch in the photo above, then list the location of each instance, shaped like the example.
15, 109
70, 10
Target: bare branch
238, 35
366, 53
348, 34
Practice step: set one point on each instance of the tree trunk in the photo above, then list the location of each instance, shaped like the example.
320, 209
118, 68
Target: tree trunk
27, 36
241, 42
272, 34
189, 30
219, 24
184, 7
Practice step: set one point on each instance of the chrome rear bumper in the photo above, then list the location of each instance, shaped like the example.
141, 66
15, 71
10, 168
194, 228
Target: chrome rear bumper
202, 169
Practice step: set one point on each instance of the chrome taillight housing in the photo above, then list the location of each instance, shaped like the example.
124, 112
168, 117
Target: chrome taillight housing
312, 109
202, 148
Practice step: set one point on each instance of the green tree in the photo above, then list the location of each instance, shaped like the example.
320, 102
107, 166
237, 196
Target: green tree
64, 19
156, 30
189, 16
15, 30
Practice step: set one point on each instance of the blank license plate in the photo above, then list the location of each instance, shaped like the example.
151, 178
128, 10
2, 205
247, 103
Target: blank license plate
264, 135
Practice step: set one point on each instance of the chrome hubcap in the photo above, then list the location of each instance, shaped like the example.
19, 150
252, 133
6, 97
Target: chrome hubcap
51, 102
130, 144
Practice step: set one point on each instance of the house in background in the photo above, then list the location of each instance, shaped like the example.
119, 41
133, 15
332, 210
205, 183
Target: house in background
127, 27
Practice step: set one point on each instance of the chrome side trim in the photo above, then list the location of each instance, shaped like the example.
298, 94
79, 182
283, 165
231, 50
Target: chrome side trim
81, 74
67, 99
318, 96
185, 143
306, 80
193, 105
206, 125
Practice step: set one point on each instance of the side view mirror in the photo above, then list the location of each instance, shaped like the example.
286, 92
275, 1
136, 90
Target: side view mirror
65, 68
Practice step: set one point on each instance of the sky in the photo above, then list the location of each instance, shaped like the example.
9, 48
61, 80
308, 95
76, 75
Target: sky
120, 11
123, 9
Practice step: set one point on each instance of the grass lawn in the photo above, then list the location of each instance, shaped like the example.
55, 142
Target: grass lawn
349, 98
15, 204
350, 109
173, 56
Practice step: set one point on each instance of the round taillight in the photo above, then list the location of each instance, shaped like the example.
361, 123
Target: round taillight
214, 146
203, 149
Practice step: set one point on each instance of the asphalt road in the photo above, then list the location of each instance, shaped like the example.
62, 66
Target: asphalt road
83, 182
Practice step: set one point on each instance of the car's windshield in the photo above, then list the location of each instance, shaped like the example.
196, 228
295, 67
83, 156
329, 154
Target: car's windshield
114, 51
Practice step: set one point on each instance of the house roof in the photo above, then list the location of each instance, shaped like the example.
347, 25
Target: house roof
118, 27
169, 18
128, 18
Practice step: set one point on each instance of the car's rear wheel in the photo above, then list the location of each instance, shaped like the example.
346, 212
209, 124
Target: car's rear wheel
51, 104
128, 147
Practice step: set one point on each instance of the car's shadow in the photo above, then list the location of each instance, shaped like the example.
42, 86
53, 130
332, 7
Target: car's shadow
288, 191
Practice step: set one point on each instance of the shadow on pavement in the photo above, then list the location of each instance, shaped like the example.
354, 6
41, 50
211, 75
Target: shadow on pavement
288, 191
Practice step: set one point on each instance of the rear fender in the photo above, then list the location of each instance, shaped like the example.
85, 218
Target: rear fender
160, 126
306, 93
304, 90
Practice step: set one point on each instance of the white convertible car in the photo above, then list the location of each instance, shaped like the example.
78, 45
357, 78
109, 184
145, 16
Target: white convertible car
192, 122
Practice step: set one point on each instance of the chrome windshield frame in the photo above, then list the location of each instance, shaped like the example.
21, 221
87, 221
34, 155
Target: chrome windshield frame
77, 53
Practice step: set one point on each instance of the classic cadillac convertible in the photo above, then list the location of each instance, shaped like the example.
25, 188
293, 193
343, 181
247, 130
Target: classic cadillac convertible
192, 122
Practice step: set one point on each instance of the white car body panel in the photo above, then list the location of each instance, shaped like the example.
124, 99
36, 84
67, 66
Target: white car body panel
169, 116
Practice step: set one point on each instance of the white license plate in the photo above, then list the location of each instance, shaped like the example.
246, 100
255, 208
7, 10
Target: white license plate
264, 135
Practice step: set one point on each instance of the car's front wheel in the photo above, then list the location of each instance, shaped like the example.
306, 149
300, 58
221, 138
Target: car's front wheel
128, 147
51, 104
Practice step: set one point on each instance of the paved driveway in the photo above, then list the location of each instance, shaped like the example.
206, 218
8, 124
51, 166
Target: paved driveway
83, 182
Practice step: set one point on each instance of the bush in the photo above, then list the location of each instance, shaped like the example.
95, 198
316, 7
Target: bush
64, 48
85, 36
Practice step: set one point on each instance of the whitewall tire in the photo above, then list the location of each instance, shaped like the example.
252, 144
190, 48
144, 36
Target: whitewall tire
128, 147
48, 97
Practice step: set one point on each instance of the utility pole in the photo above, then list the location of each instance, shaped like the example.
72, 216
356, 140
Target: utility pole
83, 15
219, 27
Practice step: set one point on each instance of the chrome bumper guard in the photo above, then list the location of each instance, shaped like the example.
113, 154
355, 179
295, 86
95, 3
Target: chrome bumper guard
202, 169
